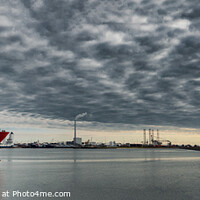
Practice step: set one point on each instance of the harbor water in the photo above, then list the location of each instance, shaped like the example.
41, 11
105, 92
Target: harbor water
108, 174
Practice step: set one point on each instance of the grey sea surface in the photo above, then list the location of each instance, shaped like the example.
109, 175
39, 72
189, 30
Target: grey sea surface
108, 174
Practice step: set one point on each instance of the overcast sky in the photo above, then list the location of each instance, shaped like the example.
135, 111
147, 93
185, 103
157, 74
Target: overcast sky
125, 62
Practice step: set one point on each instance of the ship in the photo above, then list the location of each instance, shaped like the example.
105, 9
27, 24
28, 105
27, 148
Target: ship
6, 143
3, 135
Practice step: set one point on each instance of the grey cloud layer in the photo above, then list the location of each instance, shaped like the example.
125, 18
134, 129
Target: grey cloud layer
132, 62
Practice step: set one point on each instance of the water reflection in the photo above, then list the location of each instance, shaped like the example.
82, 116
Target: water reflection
76, 160
2, 181
75, 154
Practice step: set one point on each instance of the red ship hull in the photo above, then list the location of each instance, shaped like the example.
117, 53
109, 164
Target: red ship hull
3, 135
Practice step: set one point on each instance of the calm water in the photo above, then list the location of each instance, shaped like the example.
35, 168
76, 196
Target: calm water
103, 174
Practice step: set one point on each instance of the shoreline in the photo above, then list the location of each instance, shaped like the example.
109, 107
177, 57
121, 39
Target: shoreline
123, 147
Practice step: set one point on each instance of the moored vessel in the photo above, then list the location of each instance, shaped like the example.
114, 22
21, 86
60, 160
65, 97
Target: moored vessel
3, 135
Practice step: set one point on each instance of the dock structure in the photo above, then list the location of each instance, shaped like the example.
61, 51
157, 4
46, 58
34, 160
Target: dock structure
154, 140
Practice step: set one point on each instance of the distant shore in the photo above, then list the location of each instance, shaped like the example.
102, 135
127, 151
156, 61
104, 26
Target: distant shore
196, 148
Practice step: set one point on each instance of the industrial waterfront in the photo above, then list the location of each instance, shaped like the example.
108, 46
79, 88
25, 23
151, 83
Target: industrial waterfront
152, 140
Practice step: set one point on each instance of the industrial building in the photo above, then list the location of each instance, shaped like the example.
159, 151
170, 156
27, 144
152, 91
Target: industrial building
78, 141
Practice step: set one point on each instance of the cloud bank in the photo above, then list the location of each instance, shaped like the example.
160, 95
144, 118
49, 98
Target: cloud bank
128, 62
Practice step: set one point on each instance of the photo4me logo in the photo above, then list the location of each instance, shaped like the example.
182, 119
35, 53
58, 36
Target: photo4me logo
27, 194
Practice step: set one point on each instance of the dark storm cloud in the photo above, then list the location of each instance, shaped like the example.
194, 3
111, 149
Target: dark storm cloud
129, 62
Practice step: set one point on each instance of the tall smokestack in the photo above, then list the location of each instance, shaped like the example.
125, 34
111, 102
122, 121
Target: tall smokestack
149, 136
158, 135
152, 134
144, 136
74, 132
76, 118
